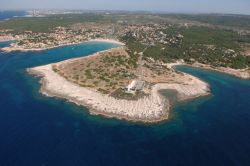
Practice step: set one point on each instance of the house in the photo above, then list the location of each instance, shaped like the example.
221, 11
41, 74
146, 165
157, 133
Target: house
134, 86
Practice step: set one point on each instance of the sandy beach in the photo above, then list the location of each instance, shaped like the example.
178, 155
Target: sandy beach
108, 41
150, 109
11, 48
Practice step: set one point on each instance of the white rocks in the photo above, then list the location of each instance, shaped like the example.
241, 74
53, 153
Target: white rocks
152, 108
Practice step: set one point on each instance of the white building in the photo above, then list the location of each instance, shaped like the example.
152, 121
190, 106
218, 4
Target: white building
134, 86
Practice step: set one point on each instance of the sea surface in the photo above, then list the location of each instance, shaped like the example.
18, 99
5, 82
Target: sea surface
43, 131
11, 14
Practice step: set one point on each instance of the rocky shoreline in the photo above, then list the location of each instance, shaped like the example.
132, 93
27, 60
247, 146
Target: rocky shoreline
149, 109
240, 73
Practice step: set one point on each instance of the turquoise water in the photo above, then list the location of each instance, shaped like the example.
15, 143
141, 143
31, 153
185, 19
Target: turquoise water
38, 130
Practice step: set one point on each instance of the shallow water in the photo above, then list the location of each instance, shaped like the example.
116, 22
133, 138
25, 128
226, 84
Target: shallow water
38, 130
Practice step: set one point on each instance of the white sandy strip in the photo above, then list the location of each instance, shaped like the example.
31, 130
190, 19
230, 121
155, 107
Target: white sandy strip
152, 108
108, 41
20, 48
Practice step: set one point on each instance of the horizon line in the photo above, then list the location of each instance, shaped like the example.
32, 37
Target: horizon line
129, 11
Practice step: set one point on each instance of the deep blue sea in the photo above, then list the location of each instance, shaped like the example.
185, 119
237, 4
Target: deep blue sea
43, 131
10, 14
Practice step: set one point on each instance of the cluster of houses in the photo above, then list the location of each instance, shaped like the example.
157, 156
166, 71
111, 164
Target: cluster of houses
151, 33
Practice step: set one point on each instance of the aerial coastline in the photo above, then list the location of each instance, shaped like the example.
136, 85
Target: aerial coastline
124, 82
141, 84
12, 48
159, 37
239, 73
150, 109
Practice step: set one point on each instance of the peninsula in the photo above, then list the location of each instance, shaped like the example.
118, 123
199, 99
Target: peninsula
125, 82
99, 82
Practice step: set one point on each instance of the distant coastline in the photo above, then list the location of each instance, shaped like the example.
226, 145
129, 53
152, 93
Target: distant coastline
5, 15
10, 49
240, 73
